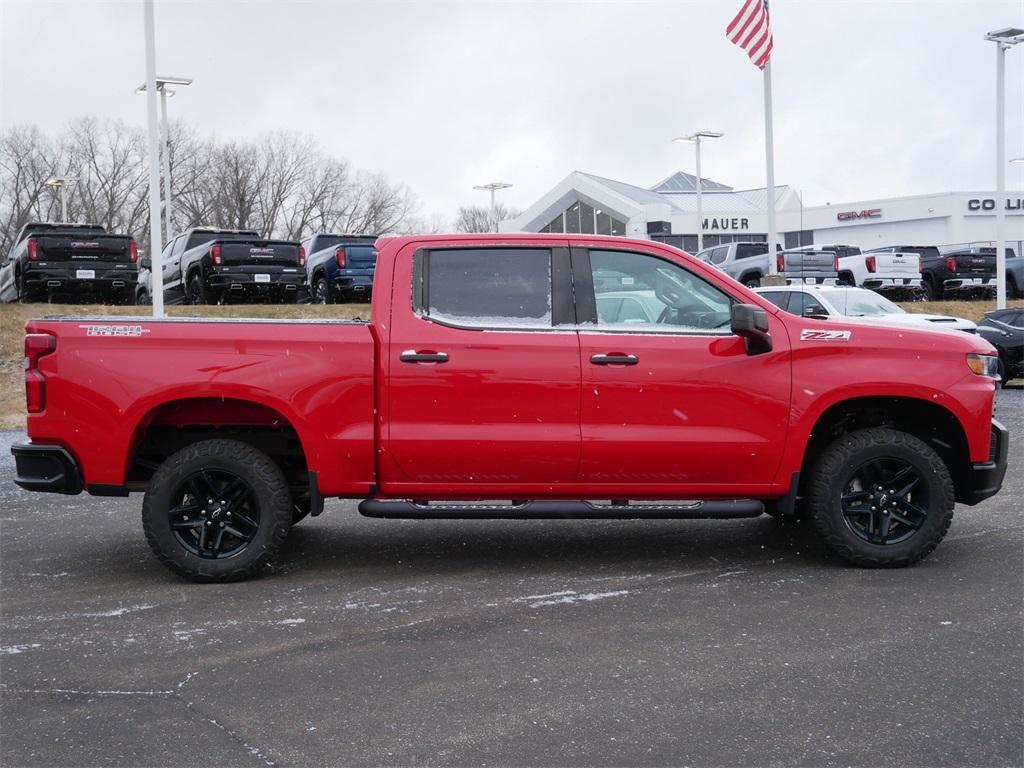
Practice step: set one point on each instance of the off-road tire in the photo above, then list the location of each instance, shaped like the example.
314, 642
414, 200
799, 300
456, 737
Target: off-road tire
271, 492
752, 281
321, 293
840, 460
197, 292
931, 291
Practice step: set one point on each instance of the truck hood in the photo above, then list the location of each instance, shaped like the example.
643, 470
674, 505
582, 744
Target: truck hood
881, 329
914, 319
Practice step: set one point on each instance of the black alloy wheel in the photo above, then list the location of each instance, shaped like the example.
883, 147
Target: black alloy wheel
880, 497
217, 510
217, 515
885, 501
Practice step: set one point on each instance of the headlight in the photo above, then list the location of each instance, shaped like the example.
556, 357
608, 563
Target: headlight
984, 365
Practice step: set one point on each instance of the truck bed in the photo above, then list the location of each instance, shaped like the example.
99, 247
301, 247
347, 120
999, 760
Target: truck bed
314, 377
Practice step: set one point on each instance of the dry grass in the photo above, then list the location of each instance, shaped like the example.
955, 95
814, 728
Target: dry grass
14, 316
970, 310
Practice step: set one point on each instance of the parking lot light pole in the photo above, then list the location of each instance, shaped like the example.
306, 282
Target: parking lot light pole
165, 93
61, 183
1003, 38
694, 138
494, 186
155, 236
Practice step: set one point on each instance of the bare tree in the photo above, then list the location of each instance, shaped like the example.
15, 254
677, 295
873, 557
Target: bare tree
27, 159
109, 159
281, 185
478, 218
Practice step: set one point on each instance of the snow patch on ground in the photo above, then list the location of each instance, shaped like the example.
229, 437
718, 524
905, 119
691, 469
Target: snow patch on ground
569, 597
18, 648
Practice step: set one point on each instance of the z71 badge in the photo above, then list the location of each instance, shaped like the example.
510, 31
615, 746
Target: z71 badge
823, 335
114, 330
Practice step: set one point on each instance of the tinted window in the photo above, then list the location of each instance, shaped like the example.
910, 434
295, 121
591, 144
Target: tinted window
779, 298
490, 287
802, 303
746, 250
719, 254
656, 294
1010, 318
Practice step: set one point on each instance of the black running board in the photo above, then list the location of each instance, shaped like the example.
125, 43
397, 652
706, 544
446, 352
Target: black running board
560, 510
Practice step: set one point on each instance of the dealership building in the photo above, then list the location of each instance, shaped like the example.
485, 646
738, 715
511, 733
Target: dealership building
667, 211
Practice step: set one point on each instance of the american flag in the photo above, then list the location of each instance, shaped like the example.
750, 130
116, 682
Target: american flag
751, 30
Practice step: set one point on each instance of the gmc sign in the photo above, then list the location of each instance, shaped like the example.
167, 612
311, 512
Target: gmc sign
871, 213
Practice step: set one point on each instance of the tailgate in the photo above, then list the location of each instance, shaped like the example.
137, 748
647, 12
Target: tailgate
95, 248
275, 253
810, 263
360, 256
975, 264
897, 264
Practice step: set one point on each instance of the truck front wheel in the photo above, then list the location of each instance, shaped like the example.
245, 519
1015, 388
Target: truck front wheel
217, 510
880, 498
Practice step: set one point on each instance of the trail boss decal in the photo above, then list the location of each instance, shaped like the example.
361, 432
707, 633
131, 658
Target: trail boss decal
816, 335
114, 330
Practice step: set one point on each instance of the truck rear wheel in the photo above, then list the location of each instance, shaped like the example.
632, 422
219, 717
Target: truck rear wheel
217, 510
880, 498
197, 291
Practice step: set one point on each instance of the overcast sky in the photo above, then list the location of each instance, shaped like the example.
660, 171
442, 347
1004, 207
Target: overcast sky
872, 99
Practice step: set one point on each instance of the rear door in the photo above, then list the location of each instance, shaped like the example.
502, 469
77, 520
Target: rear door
673, 405
483, 371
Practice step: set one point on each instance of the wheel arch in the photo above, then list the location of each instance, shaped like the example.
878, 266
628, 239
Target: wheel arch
174, 423
930, 422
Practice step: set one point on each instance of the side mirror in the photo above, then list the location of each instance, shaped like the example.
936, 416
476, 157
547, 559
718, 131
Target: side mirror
751, 323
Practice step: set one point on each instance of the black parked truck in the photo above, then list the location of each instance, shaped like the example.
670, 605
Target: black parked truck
961, 273
69, 262
210, 266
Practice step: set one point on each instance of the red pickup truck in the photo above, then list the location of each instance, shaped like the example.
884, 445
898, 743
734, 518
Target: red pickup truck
518, 376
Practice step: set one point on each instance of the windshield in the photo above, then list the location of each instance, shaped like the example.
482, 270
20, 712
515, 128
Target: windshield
863, 304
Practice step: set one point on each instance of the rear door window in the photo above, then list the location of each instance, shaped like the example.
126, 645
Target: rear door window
480, 287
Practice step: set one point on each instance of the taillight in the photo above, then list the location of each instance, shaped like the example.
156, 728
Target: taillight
780, 262
920, 264
36, 346
215, 254
33, 250
951, 264
339, 256
872, 263
302, 256
835, 263
133, 252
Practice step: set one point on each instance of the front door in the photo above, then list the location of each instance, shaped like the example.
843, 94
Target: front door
483, 371
671, 402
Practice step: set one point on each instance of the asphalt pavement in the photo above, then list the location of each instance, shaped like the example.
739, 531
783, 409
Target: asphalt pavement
377, 642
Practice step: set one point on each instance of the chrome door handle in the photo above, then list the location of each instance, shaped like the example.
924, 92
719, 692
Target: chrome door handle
412, 356
615, 360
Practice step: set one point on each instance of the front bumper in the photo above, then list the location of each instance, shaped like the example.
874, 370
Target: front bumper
987, 476
46, 468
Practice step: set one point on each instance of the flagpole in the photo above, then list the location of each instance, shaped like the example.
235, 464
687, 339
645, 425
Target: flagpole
769, 156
